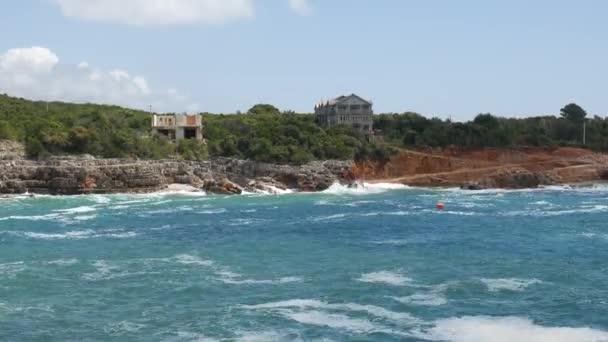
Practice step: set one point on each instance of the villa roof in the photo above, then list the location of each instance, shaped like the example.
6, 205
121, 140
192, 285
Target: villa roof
342, 98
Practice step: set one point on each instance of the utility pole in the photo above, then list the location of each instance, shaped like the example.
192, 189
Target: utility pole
584, 132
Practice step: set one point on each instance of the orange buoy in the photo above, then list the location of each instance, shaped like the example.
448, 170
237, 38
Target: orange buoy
440, 206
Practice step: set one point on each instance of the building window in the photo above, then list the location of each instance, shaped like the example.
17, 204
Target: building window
355, 107
365, 107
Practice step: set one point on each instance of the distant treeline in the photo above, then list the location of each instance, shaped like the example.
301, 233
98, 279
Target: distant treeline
486, 130
266, 134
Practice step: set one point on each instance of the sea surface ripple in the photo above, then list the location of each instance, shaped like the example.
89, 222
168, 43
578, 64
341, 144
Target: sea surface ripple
378, 263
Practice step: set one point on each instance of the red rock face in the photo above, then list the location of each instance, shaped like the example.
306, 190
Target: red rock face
508, 168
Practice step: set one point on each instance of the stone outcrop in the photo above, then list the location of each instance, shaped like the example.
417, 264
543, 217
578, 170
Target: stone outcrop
68, 176
10, 150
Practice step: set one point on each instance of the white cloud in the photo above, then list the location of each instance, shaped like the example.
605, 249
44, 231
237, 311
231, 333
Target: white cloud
37, 74
158, 12
29, 60
301, 7
83, 65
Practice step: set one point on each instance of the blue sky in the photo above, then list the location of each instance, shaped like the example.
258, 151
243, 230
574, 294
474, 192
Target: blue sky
439, 58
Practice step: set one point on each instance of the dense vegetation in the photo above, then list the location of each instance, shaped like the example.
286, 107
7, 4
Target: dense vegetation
266, 134
415, 131
263, 134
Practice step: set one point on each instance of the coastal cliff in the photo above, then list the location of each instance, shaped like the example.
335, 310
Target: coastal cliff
488, 168
469, 169
71, 176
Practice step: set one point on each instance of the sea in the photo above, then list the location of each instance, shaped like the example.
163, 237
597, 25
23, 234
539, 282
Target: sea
373, 263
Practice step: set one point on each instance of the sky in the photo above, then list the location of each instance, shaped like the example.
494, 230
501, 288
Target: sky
441, 58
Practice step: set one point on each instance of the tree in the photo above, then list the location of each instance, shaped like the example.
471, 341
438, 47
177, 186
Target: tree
488, 120
573, 112
264, 108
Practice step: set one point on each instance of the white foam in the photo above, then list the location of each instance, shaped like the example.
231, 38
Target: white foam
283, 280
509, 284
85, 217
124, 327
77, 210
100, 199
187, 259
395, 242
63, 262
74, 235
329, 217
212, 211
424, 299
362, 188
10, 270
386, 186
334, 321
229, 277
32, 218
506, 329
103, 270
171, 210
306, 304
263, 336
194, 337
385, 277
271, 190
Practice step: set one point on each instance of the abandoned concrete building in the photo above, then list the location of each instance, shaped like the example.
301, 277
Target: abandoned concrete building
178, 126
351, 110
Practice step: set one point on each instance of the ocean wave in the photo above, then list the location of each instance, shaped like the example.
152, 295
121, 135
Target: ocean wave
187, 259
506, 329
334, 217
122, 328
334, 321
549, 212
213, 211
10, 270
394, 242
193, 337
77, 210
31, 218
245, 222
509, 284
362, 188
237, 281
434, 295
385, 277
424, 299
74, 235
63, 262
303, 304
170, 210
105, 270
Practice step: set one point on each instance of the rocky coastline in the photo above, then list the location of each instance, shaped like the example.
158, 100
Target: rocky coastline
469, 170
80, 175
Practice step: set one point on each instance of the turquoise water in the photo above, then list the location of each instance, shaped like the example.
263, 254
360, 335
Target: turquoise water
370, 264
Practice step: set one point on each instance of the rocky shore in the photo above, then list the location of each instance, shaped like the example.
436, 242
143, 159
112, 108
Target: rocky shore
73, 176
470, 170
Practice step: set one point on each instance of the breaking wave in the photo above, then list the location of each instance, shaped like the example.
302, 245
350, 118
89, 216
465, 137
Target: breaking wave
385, 277
336, 316
509, 284
506, 329
74, 235
363, 188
